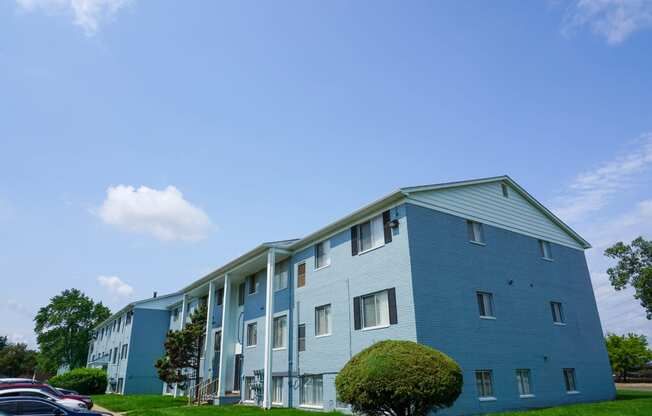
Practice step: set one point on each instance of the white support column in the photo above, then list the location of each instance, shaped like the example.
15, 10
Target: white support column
183, 323
208, 339
269, 320
226, 306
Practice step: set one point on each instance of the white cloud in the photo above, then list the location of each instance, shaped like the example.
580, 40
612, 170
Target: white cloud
86, 13
115, 286
614, 19
165, 214
592, 190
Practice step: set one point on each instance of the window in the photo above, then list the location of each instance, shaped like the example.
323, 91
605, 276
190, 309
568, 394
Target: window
36, 408
119, 323
301, 275
375, 310
277, 390
281, 276
280, 331
557, 312
483, 383
476, 232
249, 394
323, 320
121, 382
129, 315
124, 351
505, 190
486, 304
312, 389
220, 296
322, 254
110, 351
301, 337
9, 408
370, 234
544, 246
524, 382
251, 282
115, 354
569, 380
252, 334
175, 314
241, 294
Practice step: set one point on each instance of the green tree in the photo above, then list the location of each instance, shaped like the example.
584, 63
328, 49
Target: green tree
183, 351
634, 268
399, 378
627, 353
16, 360
64, 328
3, 342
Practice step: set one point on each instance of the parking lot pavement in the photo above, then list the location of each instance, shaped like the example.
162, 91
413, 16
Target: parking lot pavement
634, 386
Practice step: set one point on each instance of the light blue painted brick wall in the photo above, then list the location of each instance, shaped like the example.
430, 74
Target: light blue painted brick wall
447, 271
347, 277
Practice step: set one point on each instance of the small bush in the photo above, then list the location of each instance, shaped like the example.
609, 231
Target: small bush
400, 378
82, 380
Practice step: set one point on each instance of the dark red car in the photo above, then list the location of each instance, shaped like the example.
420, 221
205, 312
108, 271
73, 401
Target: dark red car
46, 387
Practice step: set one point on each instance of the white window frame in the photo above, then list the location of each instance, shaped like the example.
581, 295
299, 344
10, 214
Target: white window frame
476, 231
326, 247
376, 234
545, 249
524, 382
316, 383
558, 316
487, 301
326, 309
486, 375
280, 277
255, 335
277, 390
570, 385
383, 321
284, 336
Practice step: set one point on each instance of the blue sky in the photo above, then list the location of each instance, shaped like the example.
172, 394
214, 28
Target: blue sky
144, 143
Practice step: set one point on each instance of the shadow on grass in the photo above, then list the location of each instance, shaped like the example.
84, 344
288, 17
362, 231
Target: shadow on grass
634, 395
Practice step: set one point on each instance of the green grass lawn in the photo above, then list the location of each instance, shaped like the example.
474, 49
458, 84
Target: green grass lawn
118, 403
629, 403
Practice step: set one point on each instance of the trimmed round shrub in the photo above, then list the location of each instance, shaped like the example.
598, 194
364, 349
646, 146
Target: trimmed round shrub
400, 378
82, 380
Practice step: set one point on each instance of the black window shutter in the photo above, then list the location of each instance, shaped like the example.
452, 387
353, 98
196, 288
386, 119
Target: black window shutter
386, 228
354, 240
391, 300
357, 324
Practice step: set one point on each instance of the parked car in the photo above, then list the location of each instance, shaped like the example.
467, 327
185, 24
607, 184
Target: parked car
49, 389
17, 380
28, 392
35, 406
67, 391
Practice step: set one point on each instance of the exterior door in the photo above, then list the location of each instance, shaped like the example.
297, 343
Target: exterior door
237, 378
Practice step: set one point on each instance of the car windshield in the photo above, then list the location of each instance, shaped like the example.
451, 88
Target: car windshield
56, 393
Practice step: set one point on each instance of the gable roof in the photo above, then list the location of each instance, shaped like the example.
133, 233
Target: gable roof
514, 185
401, 194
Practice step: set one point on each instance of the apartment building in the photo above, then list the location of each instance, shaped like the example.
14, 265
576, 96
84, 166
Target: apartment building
477, 269
128, 344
